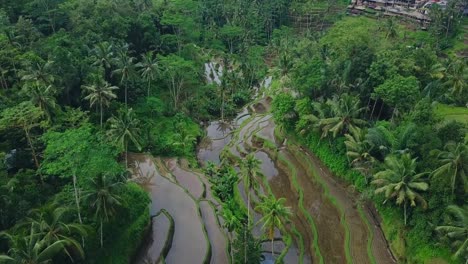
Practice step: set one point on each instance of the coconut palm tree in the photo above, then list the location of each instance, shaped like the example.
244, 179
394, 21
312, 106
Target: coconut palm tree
51, 222
39, 72
148, 69
100, 93
104, 200
455, 230
42, 96
400, 181
386, 141
275, 215
125, 68
32, 248
358, 151
103, 54
456, 76
453, 162
250, 170
391, 28
231, 223
345, 110
123, 128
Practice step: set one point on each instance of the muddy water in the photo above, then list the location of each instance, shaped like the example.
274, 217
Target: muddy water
189, 180
218, 136
157, 238
326, 216
326, 204
218, 239
270, 171
189, 243
268, 167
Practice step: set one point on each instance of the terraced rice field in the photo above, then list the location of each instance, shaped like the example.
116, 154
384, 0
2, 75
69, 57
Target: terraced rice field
327, 226
197, 236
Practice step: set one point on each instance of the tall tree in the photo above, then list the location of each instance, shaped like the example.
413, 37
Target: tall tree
123, 128
24, 116
104, 200
178, 73
103, 54
275, 215
358, 151
125, 68
345, 111
250, 170
453, 162
42, 96
231, 223
399, 180
100, 93
39, 72
392, 90
456, 77
455, 230
148, 69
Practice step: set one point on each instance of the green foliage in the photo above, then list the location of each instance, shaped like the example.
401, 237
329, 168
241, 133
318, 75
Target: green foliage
245, 244
134, 218
224, 183
78, 151
283, 110
172, 136
392, 90
308, 76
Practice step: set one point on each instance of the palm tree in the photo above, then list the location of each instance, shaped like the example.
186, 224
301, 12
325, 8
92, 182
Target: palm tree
103, 54
275, 215
103, 199
123, 128
43, 97
455, 229
345, 110
39, 72
387, 141
456, 75
454, 164
391, 27
250, 170
125, 68
148, 69
51, 222
231, 223
100, 94
400, 181
358, 151
32, 248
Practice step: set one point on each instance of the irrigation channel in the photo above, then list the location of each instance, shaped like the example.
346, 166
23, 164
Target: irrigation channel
328, 225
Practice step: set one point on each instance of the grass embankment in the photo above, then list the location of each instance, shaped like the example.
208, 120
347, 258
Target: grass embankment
124, 244
410, 245
170, 235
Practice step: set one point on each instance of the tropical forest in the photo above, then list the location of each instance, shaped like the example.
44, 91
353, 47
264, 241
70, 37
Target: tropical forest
234, 131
